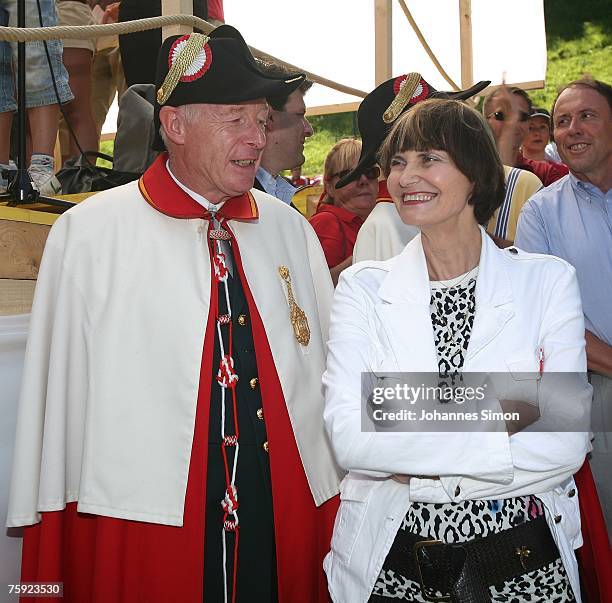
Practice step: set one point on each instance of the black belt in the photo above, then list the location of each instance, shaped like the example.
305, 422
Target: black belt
462, 572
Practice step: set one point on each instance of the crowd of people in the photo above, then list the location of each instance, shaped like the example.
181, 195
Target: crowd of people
197, 419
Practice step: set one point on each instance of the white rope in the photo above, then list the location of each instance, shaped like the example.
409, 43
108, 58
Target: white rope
69, 32
224, 565
426, 46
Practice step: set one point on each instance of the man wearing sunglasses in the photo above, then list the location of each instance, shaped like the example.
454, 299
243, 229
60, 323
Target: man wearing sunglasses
508, 111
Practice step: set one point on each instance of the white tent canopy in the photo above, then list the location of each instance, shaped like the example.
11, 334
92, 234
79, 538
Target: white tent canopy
335, 39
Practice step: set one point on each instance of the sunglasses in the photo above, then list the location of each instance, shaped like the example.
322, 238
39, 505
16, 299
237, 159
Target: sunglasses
371, 173
501, 116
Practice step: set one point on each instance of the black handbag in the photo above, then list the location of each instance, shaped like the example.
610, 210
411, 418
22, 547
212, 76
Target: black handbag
82, 175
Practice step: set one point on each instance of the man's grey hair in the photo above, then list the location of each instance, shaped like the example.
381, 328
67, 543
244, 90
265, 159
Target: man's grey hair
190, 113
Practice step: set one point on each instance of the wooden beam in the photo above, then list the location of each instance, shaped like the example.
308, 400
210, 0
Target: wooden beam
329, 109
21, 248
176, 7
383, 47
465, 35
534, 85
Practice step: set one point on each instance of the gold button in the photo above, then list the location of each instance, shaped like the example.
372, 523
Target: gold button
260, 414
253, 382
242, 320
266, 446
558, 518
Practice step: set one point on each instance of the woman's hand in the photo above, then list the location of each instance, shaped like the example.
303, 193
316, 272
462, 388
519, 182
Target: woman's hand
111, 14
528, 414
402, 479
336, 270
505, 104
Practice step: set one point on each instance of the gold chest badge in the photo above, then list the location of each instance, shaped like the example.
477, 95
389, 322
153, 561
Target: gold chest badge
298, 318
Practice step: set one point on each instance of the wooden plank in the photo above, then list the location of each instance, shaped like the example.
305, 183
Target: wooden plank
329, 109
21, 248
16, 296
534, 85
18, 214
465, 36
176, 7
383, 35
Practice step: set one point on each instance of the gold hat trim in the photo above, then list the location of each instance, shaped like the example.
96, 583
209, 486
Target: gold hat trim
406, 92
194, 45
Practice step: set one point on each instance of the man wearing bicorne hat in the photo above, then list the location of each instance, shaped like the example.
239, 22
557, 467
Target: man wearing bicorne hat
383, 234
170, 442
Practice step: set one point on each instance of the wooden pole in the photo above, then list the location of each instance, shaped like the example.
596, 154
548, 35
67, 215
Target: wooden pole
176, 7
383, 47
465, 34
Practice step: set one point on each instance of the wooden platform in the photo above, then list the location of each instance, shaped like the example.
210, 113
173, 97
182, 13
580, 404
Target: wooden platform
23, 234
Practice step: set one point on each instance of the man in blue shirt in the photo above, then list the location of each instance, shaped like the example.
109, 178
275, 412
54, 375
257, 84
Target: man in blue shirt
572, 219
286, 130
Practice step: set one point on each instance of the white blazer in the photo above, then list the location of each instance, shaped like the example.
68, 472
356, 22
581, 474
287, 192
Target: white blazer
381, 322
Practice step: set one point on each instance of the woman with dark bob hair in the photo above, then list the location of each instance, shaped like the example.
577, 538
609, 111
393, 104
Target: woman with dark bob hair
466, 496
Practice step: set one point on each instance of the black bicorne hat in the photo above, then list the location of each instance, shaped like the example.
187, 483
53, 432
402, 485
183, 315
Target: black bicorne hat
215, 69
384, 105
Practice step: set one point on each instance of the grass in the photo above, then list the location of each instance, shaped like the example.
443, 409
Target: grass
576, 47
107, 147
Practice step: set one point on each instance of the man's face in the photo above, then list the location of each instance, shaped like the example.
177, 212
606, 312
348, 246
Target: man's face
538, 135
507, 109
289, 131
583, 131
223, 146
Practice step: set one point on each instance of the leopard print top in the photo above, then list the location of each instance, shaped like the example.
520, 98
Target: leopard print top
452, 307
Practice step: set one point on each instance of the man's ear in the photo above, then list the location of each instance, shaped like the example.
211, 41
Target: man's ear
272, 121
173, 122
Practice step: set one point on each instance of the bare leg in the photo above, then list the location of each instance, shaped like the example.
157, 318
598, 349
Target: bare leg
6, 121
43, 128
78, 112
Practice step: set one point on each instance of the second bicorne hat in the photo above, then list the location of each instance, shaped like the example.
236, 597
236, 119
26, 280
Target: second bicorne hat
385, 104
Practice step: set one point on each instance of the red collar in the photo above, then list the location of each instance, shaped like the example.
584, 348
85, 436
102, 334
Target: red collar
383, 193
161, 192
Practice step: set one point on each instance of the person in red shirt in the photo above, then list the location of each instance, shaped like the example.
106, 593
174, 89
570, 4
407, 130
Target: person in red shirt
297, 179
538, 135
341, 212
